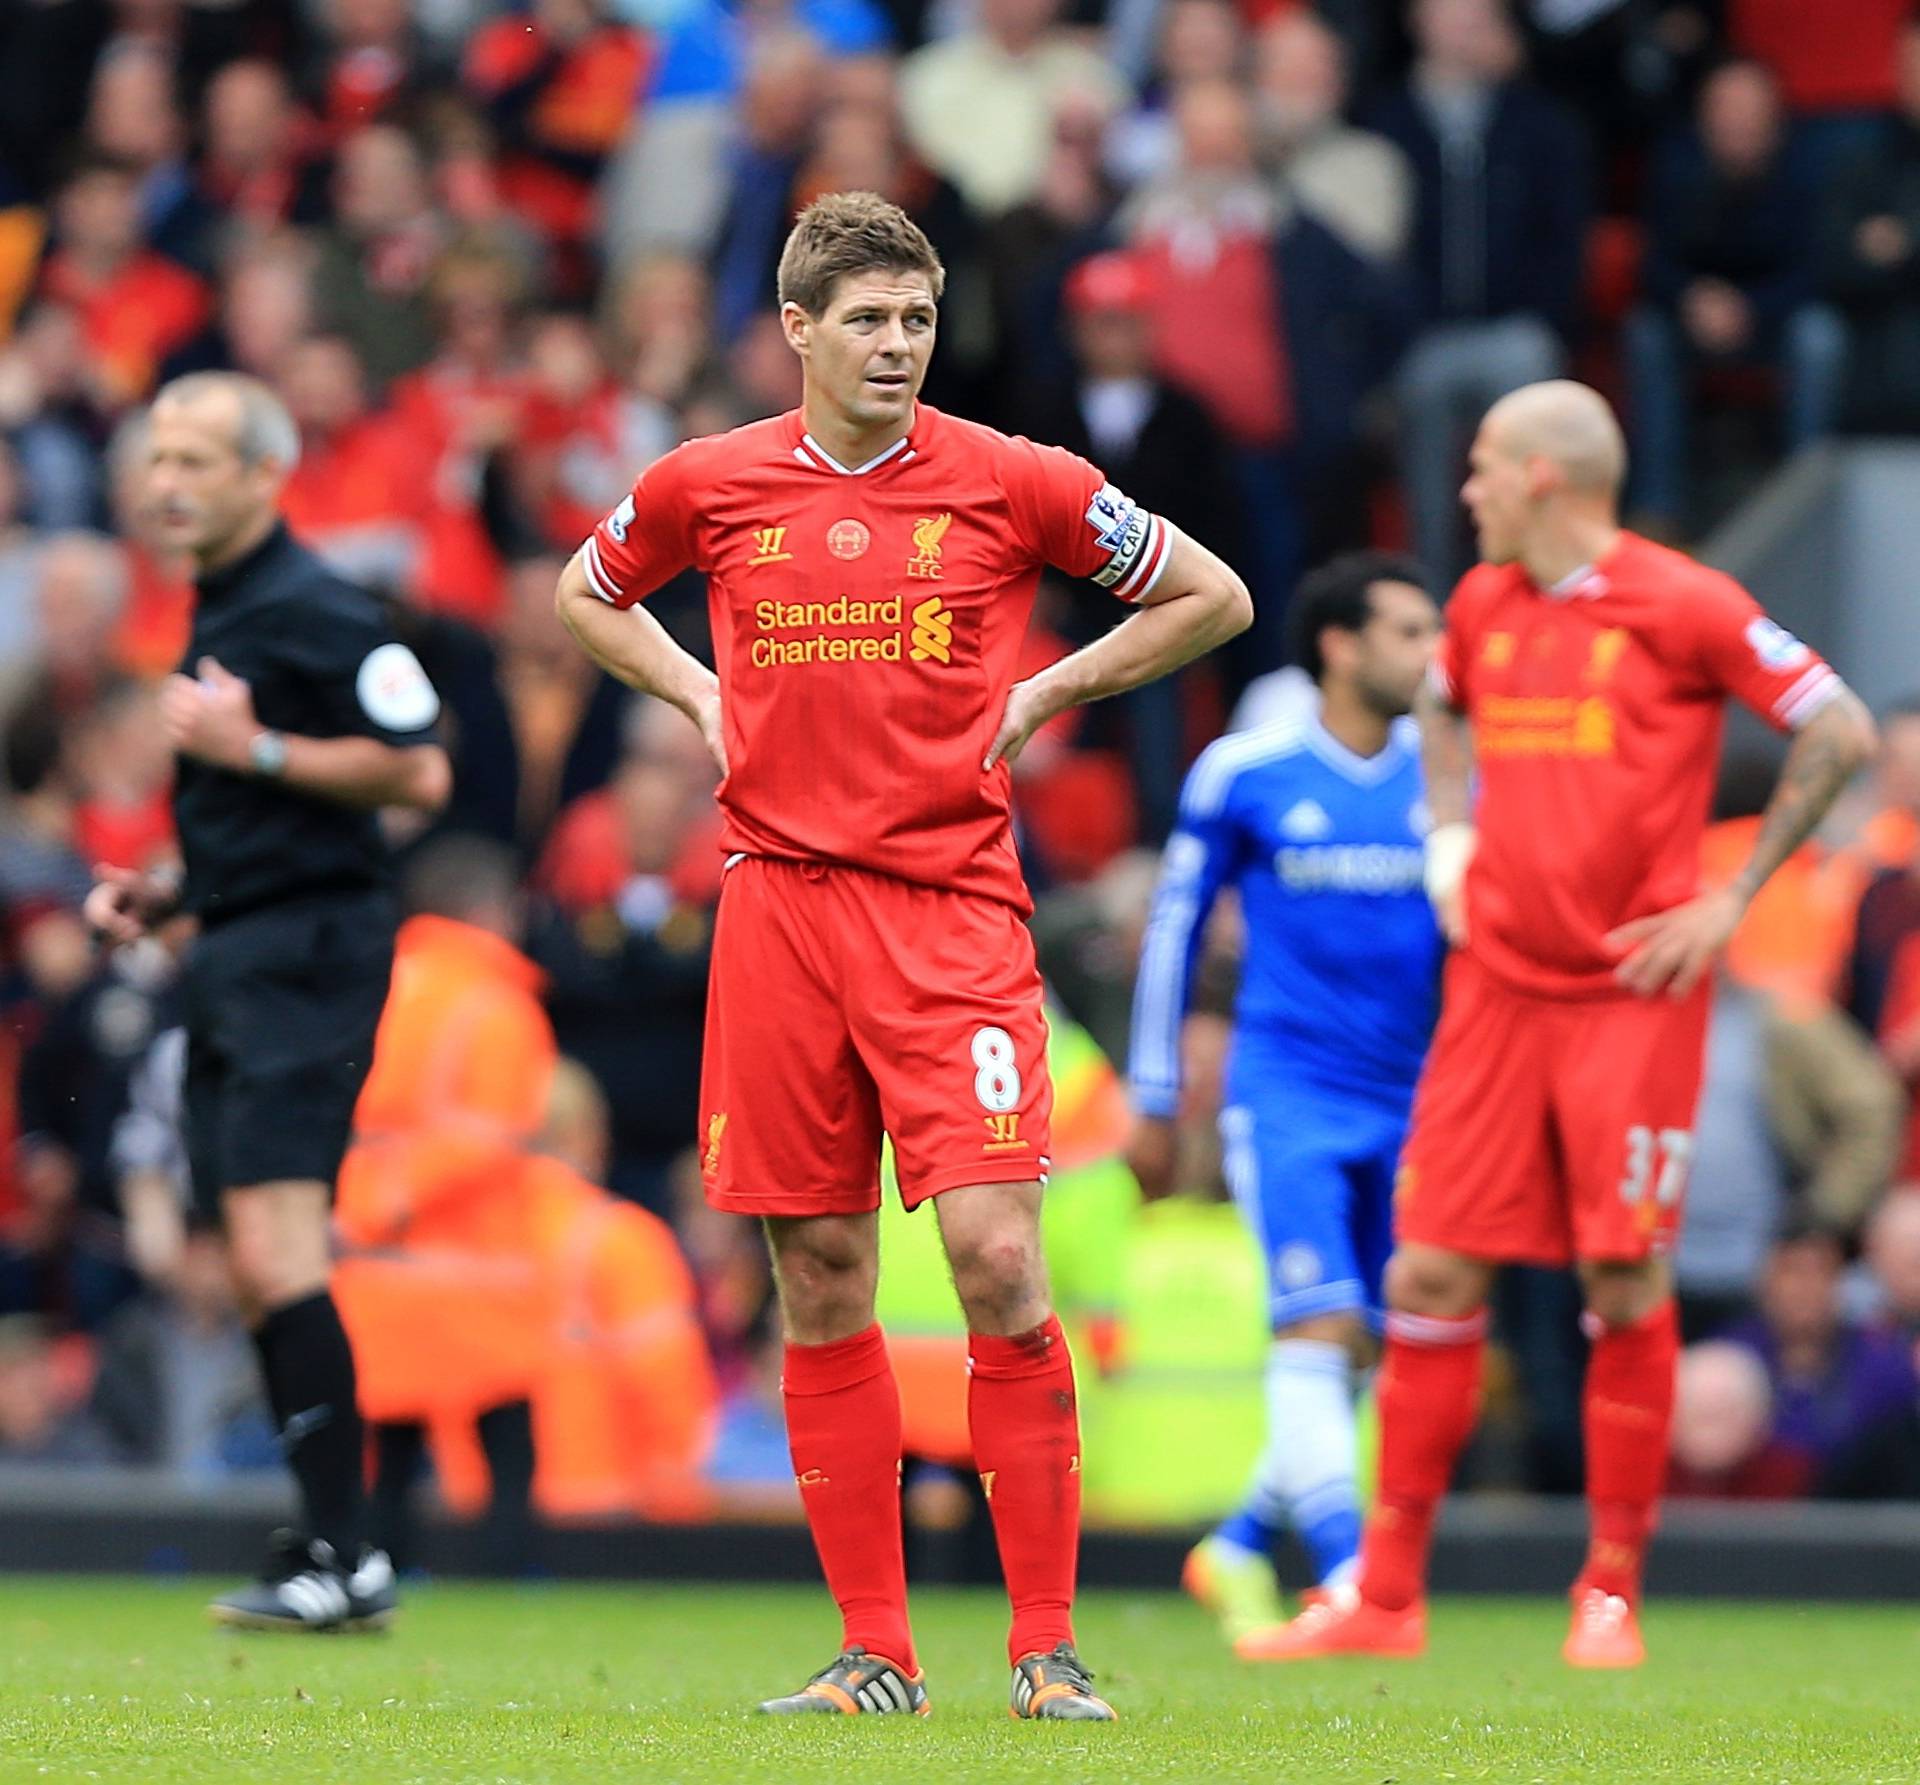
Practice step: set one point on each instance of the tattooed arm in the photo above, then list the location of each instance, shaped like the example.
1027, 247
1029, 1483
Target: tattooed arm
1670, 950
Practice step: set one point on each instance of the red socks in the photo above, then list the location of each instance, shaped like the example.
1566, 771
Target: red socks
1429, 1398
843, 1429
1429, 1391
1026, 1445
1628, 1412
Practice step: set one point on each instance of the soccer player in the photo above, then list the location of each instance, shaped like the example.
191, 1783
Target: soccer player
871, 565
298, 716
1318, 825
1582, 677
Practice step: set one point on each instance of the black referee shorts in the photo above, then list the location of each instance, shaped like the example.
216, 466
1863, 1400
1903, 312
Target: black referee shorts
281, 1008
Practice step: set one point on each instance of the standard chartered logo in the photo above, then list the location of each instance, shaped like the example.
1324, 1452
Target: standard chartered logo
932, 632
846, 630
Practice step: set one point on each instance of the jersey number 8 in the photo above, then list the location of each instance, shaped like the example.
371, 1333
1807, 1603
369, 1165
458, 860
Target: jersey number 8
997, 1082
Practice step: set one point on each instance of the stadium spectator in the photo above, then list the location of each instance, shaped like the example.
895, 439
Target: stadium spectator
1836, 1386
122, 774
978, 105
40, 868
1723, 1443
630, 877
265, 308
1883, 981
177, 1386
566, 715
666, 190
368, 71
1501, 201
1871, 261
19, 553
1158, 443
459, 415
1835, 81
1890, 832
1203, 234
711, 42
79, 594
1200, 40
557, 85
1621, 64
134, 305
625, 1411
441, 1294
58, 407
43, 1416
1353, 182
778, 106
1796, 1109
133, 115
258, 162
660, 339
370, 283
360, 495
1729, 284
1281, 331
1032, 247
567, 465
1893, 1261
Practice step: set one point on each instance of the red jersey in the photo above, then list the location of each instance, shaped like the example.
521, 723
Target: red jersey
1597, 710
867, 626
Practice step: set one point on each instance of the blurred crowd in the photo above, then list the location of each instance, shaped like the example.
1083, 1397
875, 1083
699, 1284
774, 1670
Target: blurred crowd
1265, 260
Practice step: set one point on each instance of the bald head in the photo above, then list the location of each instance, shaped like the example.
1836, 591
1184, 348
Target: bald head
1570, 426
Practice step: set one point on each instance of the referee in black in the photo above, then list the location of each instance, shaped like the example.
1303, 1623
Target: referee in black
296, 717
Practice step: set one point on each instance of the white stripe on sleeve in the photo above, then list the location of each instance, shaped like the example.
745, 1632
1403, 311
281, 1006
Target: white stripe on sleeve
603, 585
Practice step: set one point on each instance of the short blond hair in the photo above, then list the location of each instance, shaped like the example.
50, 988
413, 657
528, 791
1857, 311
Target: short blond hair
852, 232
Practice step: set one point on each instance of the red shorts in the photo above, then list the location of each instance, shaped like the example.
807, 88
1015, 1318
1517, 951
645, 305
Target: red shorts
844, 1004
1547, 1130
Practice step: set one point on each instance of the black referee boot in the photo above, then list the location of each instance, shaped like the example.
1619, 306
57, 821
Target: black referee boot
371, 1596
302, 1587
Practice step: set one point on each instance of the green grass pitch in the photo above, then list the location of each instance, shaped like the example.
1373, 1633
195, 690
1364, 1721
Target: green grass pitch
123, 1681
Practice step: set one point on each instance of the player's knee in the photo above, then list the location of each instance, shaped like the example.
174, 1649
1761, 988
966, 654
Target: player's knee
1620, 1294
998, 1274
826, 1274
1441, 1285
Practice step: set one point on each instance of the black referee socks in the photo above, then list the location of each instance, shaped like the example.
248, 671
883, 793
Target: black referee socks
308, 1365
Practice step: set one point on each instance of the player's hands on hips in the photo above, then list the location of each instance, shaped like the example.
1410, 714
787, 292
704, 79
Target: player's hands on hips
1670, 950
1029, 706
1152, 1149
705, 713
125, 904
209, 716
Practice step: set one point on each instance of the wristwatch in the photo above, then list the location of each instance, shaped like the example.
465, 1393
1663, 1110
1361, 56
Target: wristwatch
267, 754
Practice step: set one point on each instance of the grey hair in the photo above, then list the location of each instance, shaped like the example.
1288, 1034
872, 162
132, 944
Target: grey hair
266, 430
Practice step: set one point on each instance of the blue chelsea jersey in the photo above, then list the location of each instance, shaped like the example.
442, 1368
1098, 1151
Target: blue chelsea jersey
1341, 976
